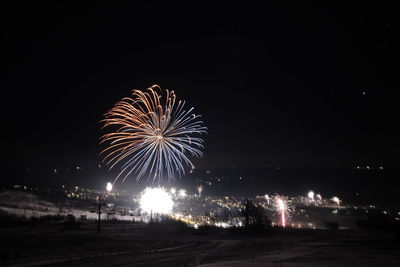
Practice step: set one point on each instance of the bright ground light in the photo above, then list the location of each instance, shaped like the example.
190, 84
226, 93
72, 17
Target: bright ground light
109, 187
311, 195
156, 200
336, 200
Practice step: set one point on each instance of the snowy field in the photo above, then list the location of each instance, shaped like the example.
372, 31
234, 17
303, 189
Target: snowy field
170, 245
30, 205
136, 244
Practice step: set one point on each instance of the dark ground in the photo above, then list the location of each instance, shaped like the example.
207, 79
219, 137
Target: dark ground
125, 244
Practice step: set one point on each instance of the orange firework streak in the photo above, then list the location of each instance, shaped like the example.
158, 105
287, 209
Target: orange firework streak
151, 137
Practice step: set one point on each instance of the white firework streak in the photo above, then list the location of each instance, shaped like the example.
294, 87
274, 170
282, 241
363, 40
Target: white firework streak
152, 137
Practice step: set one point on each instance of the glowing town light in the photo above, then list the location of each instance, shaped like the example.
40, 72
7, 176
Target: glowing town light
156, 200
267, 198
182, 193
336, 200
222, 224
109, 187
173, 191
200, 189
281, 207
318, 197
311, 195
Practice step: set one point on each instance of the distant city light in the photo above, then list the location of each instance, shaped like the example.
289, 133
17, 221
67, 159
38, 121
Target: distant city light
173, 191
156, 200
154, 132
182, 193
318, 196
222, 224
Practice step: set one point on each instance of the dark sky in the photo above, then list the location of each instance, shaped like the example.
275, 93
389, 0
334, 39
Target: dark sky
276, 86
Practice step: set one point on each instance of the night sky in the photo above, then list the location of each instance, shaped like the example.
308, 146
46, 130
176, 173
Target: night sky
304, 86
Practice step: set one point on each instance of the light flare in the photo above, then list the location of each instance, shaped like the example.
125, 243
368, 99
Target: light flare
182, 193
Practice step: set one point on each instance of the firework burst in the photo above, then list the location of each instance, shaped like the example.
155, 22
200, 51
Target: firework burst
154, 134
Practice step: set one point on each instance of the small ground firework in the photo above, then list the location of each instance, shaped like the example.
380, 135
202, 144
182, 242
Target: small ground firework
282, 209
156, 200
336, 200
311, 195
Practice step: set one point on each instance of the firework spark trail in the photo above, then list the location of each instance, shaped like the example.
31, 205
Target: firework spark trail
152, 137
281, 206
